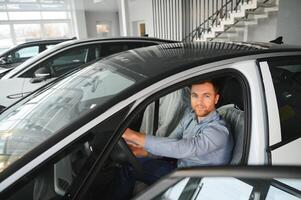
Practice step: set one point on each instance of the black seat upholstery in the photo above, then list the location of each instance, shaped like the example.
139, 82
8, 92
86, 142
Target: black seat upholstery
235, 121
232, 112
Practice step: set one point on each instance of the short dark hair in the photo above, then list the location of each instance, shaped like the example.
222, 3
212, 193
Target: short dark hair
216, 89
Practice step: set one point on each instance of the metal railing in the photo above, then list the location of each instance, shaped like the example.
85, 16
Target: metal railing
220, 10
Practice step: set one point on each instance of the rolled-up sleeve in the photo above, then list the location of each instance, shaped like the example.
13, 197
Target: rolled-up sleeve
212, 138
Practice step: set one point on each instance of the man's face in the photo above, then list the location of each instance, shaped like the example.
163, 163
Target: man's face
203, 99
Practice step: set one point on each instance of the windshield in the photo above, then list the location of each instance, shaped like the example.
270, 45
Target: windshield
32, 121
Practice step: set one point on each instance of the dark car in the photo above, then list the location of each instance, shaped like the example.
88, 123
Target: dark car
61, 59
16, 55
64, 140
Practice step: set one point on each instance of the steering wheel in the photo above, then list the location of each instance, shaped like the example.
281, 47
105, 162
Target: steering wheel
123, 154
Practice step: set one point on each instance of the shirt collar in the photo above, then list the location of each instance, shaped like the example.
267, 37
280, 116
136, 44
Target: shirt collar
211, 116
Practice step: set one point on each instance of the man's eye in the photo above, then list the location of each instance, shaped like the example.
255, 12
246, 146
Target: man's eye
194, 95
207, 96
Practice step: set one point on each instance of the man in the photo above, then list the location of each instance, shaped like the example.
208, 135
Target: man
201, 138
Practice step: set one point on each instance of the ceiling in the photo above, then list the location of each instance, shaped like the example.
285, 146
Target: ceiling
101, 5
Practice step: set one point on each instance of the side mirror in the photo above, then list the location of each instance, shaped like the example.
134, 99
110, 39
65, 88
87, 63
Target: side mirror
41, 74
3, 61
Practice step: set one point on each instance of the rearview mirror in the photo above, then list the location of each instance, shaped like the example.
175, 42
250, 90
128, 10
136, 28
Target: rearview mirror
234, 182
41, 74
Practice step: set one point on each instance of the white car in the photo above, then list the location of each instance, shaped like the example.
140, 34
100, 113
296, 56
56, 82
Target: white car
61, 59
64, 140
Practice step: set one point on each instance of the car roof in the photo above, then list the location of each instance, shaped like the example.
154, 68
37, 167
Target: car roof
76, 42
45, 41
176, 57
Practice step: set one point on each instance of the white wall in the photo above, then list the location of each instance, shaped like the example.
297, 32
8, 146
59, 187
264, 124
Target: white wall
93, 16
289, 25
141, 10
265, 30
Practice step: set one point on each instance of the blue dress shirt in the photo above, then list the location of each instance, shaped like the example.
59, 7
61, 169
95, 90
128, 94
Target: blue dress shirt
193, 142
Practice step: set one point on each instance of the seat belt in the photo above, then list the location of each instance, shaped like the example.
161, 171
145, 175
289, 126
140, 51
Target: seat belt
156, 116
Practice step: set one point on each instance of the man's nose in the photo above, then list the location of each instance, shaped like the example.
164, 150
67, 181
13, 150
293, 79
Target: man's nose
200, 101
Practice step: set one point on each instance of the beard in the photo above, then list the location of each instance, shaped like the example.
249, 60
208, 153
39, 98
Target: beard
201, 111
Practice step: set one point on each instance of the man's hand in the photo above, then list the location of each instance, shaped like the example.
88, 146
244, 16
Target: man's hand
134, 138
138, 151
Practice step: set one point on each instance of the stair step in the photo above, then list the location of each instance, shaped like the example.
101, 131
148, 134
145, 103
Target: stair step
255, 12
245, 19
266, 5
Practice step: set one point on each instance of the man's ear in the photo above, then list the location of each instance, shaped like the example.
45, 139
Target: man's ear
216, 98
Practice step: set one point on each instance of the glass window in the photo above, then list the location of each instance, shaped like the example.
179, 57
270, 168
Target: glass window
5, 38
28, 124
3, 16
54, 15
56, 176
28, 52
24, 15
27, 32
103, 29
22, 1
286, 75
56, 30
277, 194
23, 7
209, 188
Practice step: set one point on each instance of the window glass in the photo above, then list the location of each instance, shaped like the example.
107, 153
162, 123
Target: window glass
55, 177
5, 38
103, 29
61, 63
24, 15
277, 194
23, 7
209, 188
27, 32
3, 16
286, 75
27, 52
29, 123
54, 15
56, 30
22, 1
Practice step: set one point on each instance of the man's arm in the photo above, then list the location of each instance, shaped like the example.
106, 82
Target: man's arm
210, 140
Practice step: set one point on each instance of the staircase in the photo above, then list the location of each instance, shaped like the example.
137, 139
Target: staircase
231, 20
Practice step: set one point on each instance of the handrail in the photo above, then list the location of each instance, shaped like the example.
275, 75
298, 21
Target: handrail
214, 18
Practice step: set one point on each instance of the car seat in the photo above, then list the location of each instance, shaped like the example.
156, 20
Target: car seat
232, 112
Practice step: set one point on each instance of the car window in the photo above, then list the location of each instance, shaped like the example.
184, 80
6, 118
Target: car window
61, 63
286, 76
231, 188
23, 53
28, 124
227, 188
70, 166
